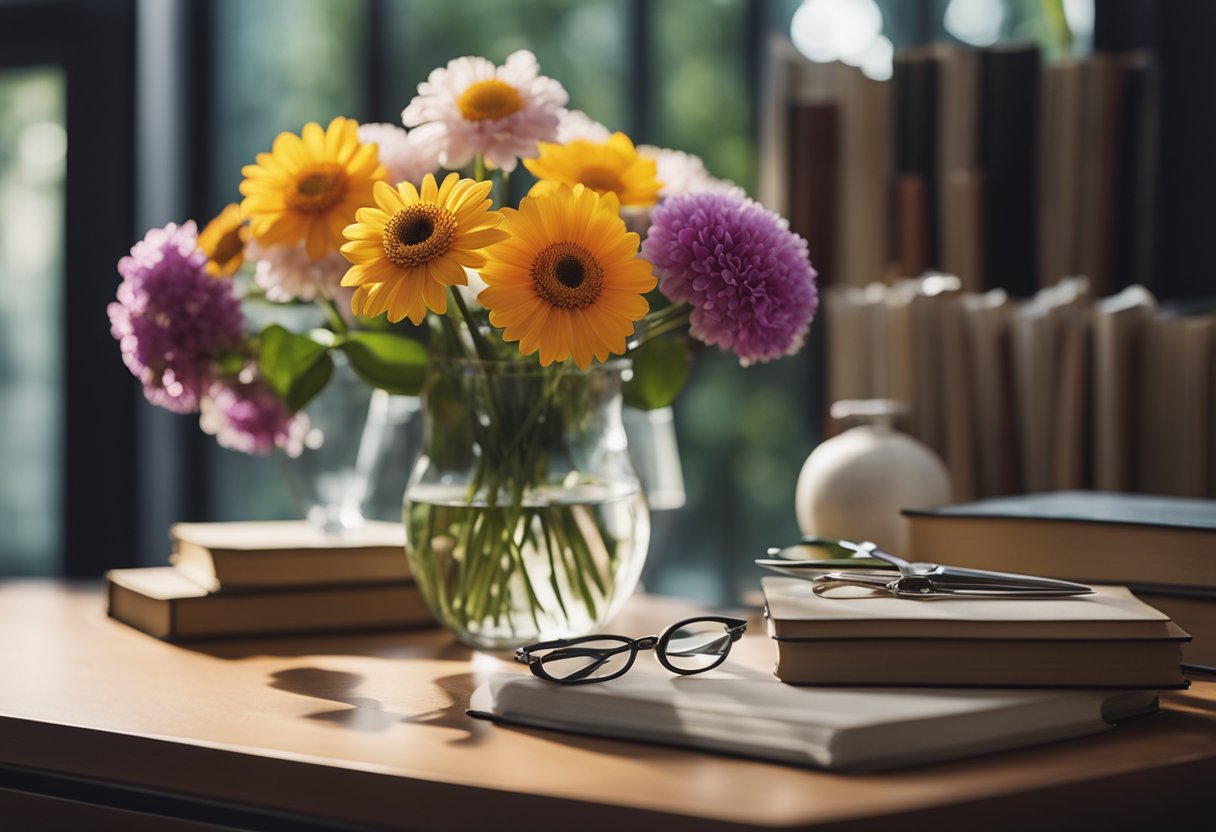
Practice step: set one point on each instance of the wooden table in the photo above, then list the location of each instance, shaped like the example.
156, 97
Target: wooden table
102, 727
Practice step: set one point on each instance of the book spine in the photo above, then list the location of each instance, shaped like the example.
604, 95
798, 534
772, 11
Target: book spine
915, 80
1009, 91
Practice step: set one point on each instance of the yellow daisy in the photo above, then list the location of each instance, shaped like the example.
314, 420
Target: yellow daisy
309, 186
608, 167
415, 243
223, 241
566, 281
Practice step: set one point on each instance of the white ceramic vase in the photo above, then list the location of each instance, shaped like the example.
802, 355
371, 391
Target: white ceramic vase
854, 485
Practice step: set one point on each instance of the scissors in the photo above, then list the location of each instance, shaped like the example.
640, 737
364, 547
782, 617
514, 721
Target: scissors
916, 580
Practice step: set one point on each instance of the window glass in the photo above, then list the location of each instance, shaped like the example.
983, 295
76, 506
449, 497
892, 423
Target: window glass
33, 144
700, 101
279, 64
581, 43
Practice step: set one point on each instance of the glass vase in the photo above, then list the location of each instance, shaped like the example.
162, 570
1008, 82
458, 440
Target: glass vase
524, 517
359, 441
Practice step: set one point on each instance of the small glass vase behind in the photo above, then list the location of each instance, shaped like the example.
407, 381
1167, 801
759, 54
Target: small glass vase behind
524, 517
359, 442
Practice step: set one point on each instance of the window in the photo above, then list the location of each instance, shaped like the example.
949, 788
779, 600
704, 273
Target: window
33, 146
67, 404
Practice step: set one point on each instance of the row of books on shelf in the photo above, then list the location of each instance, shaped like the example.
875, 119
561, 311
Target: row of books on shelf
1063, 390
985, 163
271, 578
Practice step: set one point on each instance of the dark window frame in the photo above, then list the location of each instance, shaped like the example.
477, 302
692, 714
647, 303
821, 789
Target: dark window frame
92, 41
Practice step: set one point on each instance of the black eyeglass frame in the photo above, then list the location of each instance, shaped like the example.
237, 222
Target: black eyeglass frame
735, 628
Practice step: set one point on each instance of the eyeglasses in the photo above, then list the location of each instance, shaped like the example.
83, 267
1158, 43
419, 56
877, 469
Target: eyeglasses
693, 645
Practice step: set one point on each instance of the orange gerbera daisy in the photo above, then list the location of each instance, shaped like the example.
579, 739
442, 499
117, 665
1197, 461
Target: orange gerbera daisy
309, 186
223, 241
567, 281
608, 167
415, 243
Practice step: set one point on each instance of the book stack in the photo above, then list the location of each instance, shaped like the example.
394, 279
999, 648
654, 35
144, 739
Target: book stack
1106, 640
1164, 548
270, 578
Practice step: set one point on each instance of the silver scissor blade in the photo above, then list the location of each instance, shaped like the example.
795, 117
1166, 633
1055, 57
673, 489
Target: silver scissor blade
977, 578
810, 568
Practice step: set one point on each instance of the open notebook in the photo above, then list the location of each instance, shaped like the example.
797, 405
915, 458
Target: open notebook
750, 713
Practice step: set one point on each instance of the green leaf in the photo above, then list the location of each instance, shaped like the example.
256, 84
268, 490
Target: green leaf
231, 363
390, 362
660, 370
296, 367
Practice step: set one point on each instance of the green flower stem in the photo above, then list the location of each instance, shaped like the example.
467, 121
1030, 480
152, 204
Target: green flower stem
479, 341
505, 179
330, 307
502, 540
479, 168
662, 328
453, 335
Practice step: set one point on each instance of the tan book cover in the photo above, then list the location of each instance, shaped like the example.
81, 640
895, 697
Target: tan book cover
1069, 451
958, 388
1137, 664
164, 602
959, 205
266, 554
1194, 613
1101, 90
856, 341
1060, 159
987, 323
1175, 407
1118, 323
1108, 639
862, 255
962, 251
1038, 336
796, 612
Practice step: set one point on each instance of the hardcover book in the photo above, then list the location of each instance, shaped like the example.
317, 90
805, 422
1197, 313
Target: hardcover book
165, 603
268, 554
1085, 536
1108, 639
739, 710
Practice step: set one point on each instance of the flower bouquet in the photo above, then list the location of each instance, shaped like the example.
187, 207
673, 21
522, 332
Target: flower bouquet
532, 322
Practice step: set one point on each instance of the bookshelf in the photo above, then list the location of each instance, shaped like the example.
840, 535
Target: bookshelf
951, 211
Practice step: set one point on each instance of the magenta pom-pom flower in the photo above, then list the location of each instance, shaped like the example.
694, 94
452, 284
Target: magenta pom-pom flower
249, 417
746, 276
172, 318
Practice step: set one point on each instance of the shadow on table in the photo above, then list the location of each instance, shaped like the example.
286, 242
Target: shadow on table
363, 713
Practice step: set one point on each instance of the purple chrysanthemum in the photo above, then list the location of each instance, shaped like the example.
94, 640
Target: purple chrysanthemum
249, 417
172, 318
745, 274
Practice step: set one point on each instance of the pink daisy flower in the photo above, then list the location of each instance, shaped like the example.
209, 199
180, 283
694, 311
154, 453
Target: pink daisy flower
405, 157
287, 273
683, 173
575, 124
472, 107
